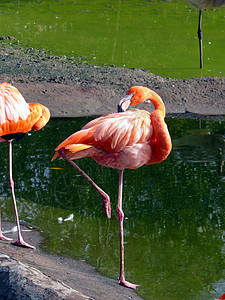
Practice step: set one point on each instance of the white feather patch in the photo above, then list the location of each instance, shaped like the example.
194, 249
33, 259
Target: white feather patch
12, 104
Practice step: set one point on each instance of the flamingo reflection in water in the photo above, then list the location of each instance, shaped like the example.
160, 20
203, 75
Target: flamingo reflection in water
204, 4
128, 139
17, 118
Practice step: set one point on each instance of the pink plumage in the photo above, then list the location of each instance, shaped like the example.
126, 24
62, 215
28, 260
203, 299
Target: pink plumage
123, 140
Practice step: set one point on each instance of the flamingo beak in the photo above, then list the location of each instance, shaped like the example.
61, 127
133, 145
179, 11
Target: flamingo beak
125, 103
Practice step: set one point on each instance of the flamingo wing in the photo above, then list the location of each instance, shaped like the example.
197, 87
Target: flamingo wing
37, 118
12, 104
112, 132
16, 115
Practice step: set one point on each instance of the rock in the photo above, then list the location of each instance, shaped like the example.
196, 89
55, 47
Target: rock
7, 37
20, 281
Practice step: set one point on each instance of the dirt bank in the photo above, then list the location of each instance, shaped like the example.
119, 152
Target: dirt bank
72, 89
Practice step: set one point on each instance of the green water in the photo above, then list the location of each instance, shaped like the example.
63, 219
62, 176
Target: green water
175, 221
156, 35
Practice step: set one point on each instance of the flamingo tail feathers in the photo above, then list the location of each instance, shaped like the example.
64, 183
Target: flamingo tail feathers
72, 148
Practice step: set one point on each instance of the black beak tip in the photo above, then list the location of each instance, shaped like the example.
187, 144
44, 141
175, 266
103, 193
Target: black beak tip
119, 109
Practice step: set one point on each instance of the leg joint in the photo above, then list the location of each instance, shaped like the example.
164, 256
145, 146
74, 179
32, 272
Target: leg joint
120, 214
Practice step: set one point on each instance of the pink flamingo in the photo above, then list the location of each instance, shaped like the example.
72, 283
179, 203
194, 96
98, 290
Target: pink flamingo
16, 119
124, 140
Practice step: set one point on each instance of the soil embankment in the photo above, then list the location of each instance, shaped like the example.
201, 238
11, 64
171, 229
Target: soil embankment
72, 89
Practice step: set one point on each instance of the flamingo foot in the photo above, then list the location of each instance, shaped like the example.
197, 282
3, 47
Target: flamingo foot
128, 284
106, 205
4, 238
21, 243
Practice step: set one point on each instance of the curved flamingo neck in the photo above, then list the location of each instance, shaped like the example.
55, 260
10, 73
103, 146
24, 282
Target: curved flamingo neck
157, 102
161, 143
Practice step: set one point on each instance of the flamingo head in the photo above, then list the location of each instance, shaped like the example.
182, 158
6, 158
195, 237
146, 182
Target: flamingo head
139, 94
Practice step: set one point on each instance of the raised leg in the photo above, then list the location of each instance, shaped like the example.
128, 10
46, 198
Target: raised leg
120, 216
104, 197
20, 241
200, 37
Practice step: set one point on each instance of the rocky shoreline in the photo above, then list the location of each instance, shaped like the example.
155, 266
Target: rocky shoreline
32, 274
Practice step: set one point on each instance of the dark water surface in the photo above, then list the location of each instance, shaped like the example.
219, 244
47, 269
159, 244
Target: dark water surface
175, 221
158, 35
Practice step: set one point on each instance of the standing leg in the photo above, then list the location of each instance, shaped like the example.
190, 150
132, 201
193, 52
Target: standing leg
200, 38
2, 237
120, 216
105, 198
20, 241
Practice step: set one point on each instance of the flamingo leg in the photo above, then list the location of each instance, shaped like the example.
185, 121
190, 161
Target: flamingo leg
120, 216
20, 241
200, 37
104, 197
2, 237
